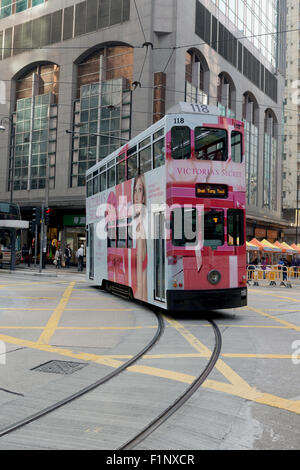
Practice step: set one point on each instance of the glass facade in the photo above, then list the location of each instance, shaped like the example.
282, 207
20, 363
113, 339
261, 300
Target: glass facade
256, 19
270, 163
10, 7
103, 108
34, 140
251, 151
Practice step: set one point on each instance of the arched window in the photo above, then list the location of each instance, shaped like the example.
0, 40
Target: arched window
34, 132
196, 77
102, 107
226, 95
250, 118
270, 161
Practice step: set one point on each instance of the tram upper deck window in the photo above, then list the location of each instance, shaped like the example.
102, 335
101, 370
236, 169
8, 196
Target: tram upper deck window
121, 169
211, 144
132, 163
236, 147
184, 226
235, 227
181, 142
214, 228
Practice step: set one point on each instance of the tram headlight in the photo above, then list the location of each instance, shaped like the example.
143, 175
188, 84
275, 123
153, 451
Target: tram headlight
214, 277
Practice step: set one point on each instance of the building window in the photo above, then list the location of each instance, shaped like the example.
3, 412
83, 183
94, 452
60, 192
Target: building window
270, 161
102, 110
250, 118
33, 146
226, 96
196, 78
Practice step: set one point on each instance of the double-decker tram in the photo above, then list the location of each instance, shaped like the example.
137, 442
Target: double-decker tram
166, 213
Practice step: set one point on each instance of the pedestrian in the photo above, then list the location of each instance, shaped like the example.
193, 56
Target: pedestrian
24, 254
263, 266
294, 266
282, 267
57, 259
68, 254
79, 256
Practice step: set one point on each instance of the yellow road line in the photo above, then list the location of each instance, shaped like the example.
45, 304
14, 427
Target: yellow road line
275, 295
55, 317
279, 320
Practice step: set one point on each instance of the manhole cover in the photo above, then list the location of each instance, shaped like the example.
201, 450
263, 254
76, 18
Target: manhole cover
60, 367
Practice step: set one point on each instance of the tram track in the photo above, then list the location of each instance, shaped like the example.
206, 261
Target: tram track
39, 414
168, 412
156, 422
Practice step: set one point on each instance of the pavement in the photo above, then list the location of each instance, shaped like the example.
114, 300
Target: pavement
50, 270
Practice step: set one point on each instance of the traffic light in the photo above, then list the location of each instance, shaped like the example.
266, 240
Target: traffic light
36, 216
31, 227
47, 215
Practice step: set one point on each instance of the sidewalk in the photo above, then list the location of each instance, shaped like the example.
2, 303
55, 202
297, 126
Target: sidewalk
50, 270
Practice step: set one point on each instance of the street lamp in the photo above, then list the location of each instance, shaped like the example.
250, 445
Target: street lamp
9, 121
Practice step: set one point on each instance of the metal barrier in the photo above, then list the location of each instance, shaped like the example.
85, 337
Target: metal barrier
271, 275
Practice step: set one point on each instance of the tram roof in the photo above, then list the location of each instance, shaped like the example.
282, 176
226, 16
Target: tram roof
180, 108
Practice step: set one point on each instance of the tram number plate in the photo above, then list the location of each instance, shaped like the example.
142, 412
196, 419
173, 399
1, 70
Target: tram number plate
211, 190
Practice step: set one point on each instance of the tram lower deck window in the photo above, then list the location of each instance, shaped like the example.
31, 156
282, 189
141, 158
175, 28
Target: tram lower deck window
184, 226
214, 228
235, 227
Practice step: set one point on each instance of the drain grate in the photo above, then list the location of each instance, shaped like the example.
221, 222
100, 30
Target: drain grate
60, 367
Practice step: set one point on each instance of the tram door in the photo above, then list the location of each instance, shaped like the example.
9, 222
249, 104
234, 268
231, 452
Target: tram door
159, 256
91, 251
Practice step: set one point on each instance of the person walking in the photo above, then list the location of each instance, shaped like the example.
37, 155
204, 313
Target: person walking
68, 254
79, 256
58, 255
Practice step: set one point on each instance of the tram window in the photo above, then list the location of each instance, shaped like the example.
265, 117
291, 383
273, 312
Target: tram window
235, 227
159, 153
145, 160
236, 147
214, 228
132, 166
129, 233
95, 185
181, 142
89, 188
111, 174
184, 226
121, 175
121, 234
210, 144
145, 142
158, 134
111, 235
103, 181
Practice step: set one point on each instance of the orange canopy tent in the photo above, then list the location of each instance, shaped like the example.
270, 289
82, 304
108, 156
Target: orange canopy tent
264, 245
296, 247
285, 248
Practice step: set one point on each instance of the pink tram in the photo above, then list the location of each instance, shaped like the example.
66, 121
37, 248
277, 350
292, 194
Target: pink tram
166, 213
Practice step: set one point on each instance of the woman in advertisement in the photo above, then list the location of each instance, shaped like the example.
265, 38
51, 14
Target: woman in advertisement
141, 260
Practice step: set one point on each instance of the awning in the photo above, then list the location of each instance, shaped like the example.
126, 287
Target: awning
261, 246
285, 248
296, 247
251, 247
272, 247
289, 249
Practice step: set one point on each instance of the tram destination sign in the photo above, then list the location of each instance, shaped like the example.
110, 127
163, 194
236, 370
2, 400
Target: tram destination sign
206, 190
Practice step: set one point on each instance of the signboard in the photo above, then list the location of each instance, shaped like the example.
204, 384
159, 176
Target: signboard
260, 233
207, 190
74, 220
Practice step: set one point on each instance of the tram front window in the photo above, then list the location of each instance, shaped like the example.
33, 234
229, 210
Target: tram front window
184, 226
181, 142
214, 228
211, 144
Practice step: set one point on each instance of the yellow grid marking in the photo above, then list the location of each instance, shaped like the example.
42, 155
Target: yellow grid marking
55, 317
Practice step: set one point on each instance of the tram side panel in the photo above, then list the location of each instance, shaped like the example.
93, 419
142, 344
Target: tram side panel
129, 236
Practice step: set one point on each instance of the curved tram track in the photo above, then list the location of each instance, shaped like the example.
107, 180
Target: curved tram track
164, 416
